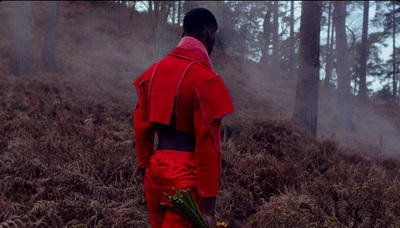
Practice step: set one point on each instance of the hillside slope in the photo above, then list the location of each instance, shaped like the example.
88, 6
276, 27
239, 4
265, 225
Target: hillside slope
67, 154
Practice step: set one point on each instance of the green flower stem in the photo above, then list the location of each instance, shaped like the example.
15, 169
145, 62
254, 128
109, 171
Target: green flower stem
177, 212
186, 207
197, 208
179, 203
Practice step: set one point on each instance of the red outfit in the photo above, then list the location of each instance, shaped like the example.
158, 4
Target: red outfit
169, 169
183, 82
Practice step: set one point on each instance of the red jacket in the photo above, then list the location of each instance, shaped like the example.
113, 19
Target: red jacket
184, 81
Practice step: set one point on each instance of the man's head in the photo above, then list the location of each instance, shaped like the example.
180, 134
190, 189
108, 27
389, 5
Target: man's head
201, 24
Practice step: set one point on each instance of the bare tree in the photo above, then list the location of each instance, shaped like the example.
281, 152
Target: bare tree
292, 42
49, 37
20, 56
362, 95
132, 10
306, 105
159, 11
267, 33
179, 12
344, 109
394, 51
329, 46
275, 42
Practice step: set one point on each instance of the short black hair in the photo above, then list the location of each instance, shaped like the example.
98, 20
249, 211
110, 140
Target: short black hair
199, 19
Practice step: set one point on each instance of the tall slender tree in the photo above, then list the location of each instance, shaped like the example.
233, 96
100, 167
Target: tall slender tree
179, 12
49, 36
364, 53
132, 10
266, 33
306, 105
292, 42
329, 47
394, 51
177, 19
20, 56
387, 16
158, 12
173, 11
275, 42
344, 109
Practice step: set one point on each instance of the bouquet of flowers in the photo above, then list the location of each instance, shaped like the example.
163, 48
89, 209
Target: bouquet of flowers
187, 208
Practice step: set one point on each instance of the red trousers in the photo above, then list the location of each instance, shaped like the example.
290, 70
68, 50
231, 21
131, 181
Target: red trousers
170, 169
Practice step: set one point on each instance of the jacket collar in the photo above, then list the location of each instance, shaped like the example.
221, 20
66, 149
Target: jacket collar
196, 47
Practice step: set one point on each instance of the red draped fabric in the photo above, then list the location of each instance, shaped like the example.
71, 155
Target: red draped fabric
183, 82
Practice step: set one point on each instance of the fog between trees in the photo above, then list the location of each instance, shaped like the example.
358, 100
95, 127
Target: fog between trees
263, 32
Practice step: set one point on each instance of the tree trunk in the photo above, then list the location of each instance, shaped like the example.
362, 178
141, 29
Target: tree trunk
173, 12
178, 22
160, 13
48, 55
328, 67
179, 12
306, 105
154, 13
20, 56
132, 11
152, 21
344, 109
362, 94
398, 81
150, 6
156, 10
159, 38
394, 52
267, 34
275, 43
292, 42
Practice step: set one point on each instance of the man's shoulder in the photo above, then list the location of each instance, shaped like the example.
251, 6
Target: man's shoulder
194, 69
203, 71
200, 73
146, 75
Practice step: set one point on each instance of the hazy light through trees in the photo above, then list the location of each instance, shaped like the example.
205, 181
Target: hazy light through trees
354, 23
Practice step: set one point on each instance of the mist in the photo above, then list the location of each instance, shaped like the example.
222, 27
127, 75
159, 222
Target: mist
92, 53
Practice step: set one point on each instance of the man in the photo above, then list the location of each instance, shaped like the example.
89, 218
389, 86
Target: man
183, 100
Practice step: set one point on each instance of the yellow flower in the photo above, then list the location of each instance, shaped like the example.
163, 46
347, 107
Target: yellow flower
222, 224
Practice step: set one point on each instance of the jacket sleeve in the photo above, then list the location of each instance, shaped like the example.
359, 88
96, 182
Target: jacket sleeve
144, 130
212, 102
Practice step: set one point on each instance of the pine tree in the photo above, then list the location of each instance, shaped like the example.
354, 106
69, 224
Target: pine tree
364, 56
344, 109
306, 105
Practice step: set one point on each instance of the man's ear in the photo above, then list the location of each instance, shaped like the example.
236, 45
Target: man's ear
210, 34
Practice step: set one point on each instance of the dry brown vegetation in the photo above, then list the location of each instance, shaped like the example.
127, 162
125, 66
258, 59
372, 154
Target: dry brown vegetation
67, 154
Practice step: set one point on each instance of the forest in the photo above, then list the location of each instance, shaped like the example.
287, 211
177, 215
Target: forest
313, 142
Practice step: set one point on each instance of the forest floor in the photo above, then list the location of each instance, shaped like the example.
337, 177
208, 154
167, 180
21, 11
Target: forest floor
67, 150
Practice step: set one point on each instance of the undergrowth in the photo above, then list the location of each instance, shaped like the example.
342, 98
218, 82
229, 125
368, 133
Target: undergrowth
278, 175
70, 161
66, 160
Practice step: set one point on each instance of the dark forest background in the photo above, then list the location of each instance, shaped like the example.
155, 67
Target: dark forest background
312, 142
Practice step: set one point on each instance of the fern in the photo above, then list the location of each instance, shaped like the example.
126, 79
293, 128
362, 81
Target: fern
342, 208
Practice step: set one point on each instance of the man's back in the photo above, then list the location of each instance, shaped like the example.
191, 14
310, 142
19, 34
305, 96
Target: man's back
185, 100
170, 88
